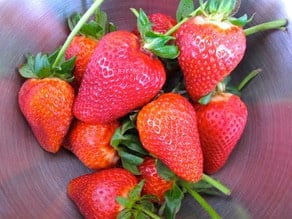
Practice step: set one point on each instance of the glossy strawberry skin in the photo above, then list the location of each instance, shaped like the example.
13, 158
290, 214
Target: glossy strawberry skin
91, 144
221, 124
119, 78
47, 106
209, 51
154, 184
82, 47
95, 194
167, 128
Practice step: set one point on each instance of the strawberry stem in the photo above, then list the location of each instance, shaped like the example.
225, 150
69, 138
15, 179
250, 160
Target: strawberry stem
275, 24
218, 185
213, 214
248, 78
147, 212
75, 30
175, 27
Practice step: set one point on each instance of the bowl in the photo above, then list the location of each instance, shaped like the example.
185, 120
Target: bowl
259, 171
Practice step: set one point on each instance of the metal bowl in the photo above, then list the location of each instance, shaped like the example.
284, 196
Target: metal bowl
259, 172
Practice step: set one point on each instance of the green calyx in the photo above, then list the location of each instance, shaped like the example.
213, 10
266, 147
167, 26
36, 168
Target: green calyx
221, 10
94, 28
41, 66
154, 42
225, 86
126, 142
174, 196
136, 205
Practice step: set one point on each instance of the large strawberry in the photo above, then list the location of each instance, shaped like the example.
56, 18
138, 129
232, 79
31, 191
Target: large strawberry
167, 128
221, 123
95, 194
154, 183
46, 100
91, 144
211, 46
120, 77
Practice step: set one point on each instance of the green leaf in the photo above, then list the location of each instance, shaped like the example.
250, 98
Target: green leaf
163, 171
122, 201
173, 199
241, 21
130, 167
124, 214
130, 158
205, 99
185, 7
143, 23
135, 193
42, 66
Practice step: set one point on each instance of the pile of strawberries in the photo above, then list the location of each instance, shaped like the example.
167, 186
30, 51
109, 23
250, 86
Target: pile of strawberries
148, 110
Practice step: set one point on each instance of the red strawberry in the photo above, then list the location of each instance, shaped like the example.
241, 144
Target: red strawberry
95, 194
82, 47
154, 184
210, 48
91, 144
46, 99
119, 78
84, 43
221, 123
161, 23
47, 106
167, 128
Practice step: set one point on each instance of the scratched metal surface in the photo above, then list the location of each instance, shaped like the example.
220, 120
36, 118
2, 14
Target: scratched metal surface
259, 171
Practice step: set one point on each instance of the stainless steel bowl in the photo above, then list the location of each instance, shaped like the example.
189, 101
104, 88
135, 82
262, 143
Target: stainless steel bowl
259, 172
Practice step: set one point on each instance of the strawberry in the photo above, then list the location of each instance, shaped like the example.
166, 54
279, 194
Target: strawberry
95, 194
82, 47
46, 101
85, 41
210, 46
167, 128
119, 78
161, 23
154, 183
221, 123
91, 144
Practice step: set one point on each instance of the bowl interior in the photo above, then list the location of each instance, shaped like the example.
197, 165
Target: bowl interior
33, 182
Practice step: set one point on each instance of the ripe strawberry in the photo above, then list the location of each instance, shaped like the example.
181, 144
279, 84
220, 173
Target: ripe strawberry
154, 184
84, 43
91, 144
167, 128
46, 101
221, 123
95, 194
120, 77
161, 23
82, 47
210, 48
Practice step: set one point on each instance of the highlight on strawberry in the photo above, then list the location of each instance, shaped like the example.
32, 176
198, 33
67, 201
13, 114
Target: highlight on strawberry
149, 112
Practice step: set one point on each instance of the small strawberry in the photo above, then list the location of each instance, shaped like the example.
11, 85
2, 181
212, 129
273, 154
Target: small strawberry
46, 101
210, 46
120, 77
82, 47
91, 144
160, 23
154, 183
167, 128
221, 123
84, 43
95, 194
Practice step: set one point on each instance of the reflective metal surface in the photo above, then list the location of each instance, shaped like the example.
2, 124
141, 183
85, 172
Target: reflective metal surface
259, 172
